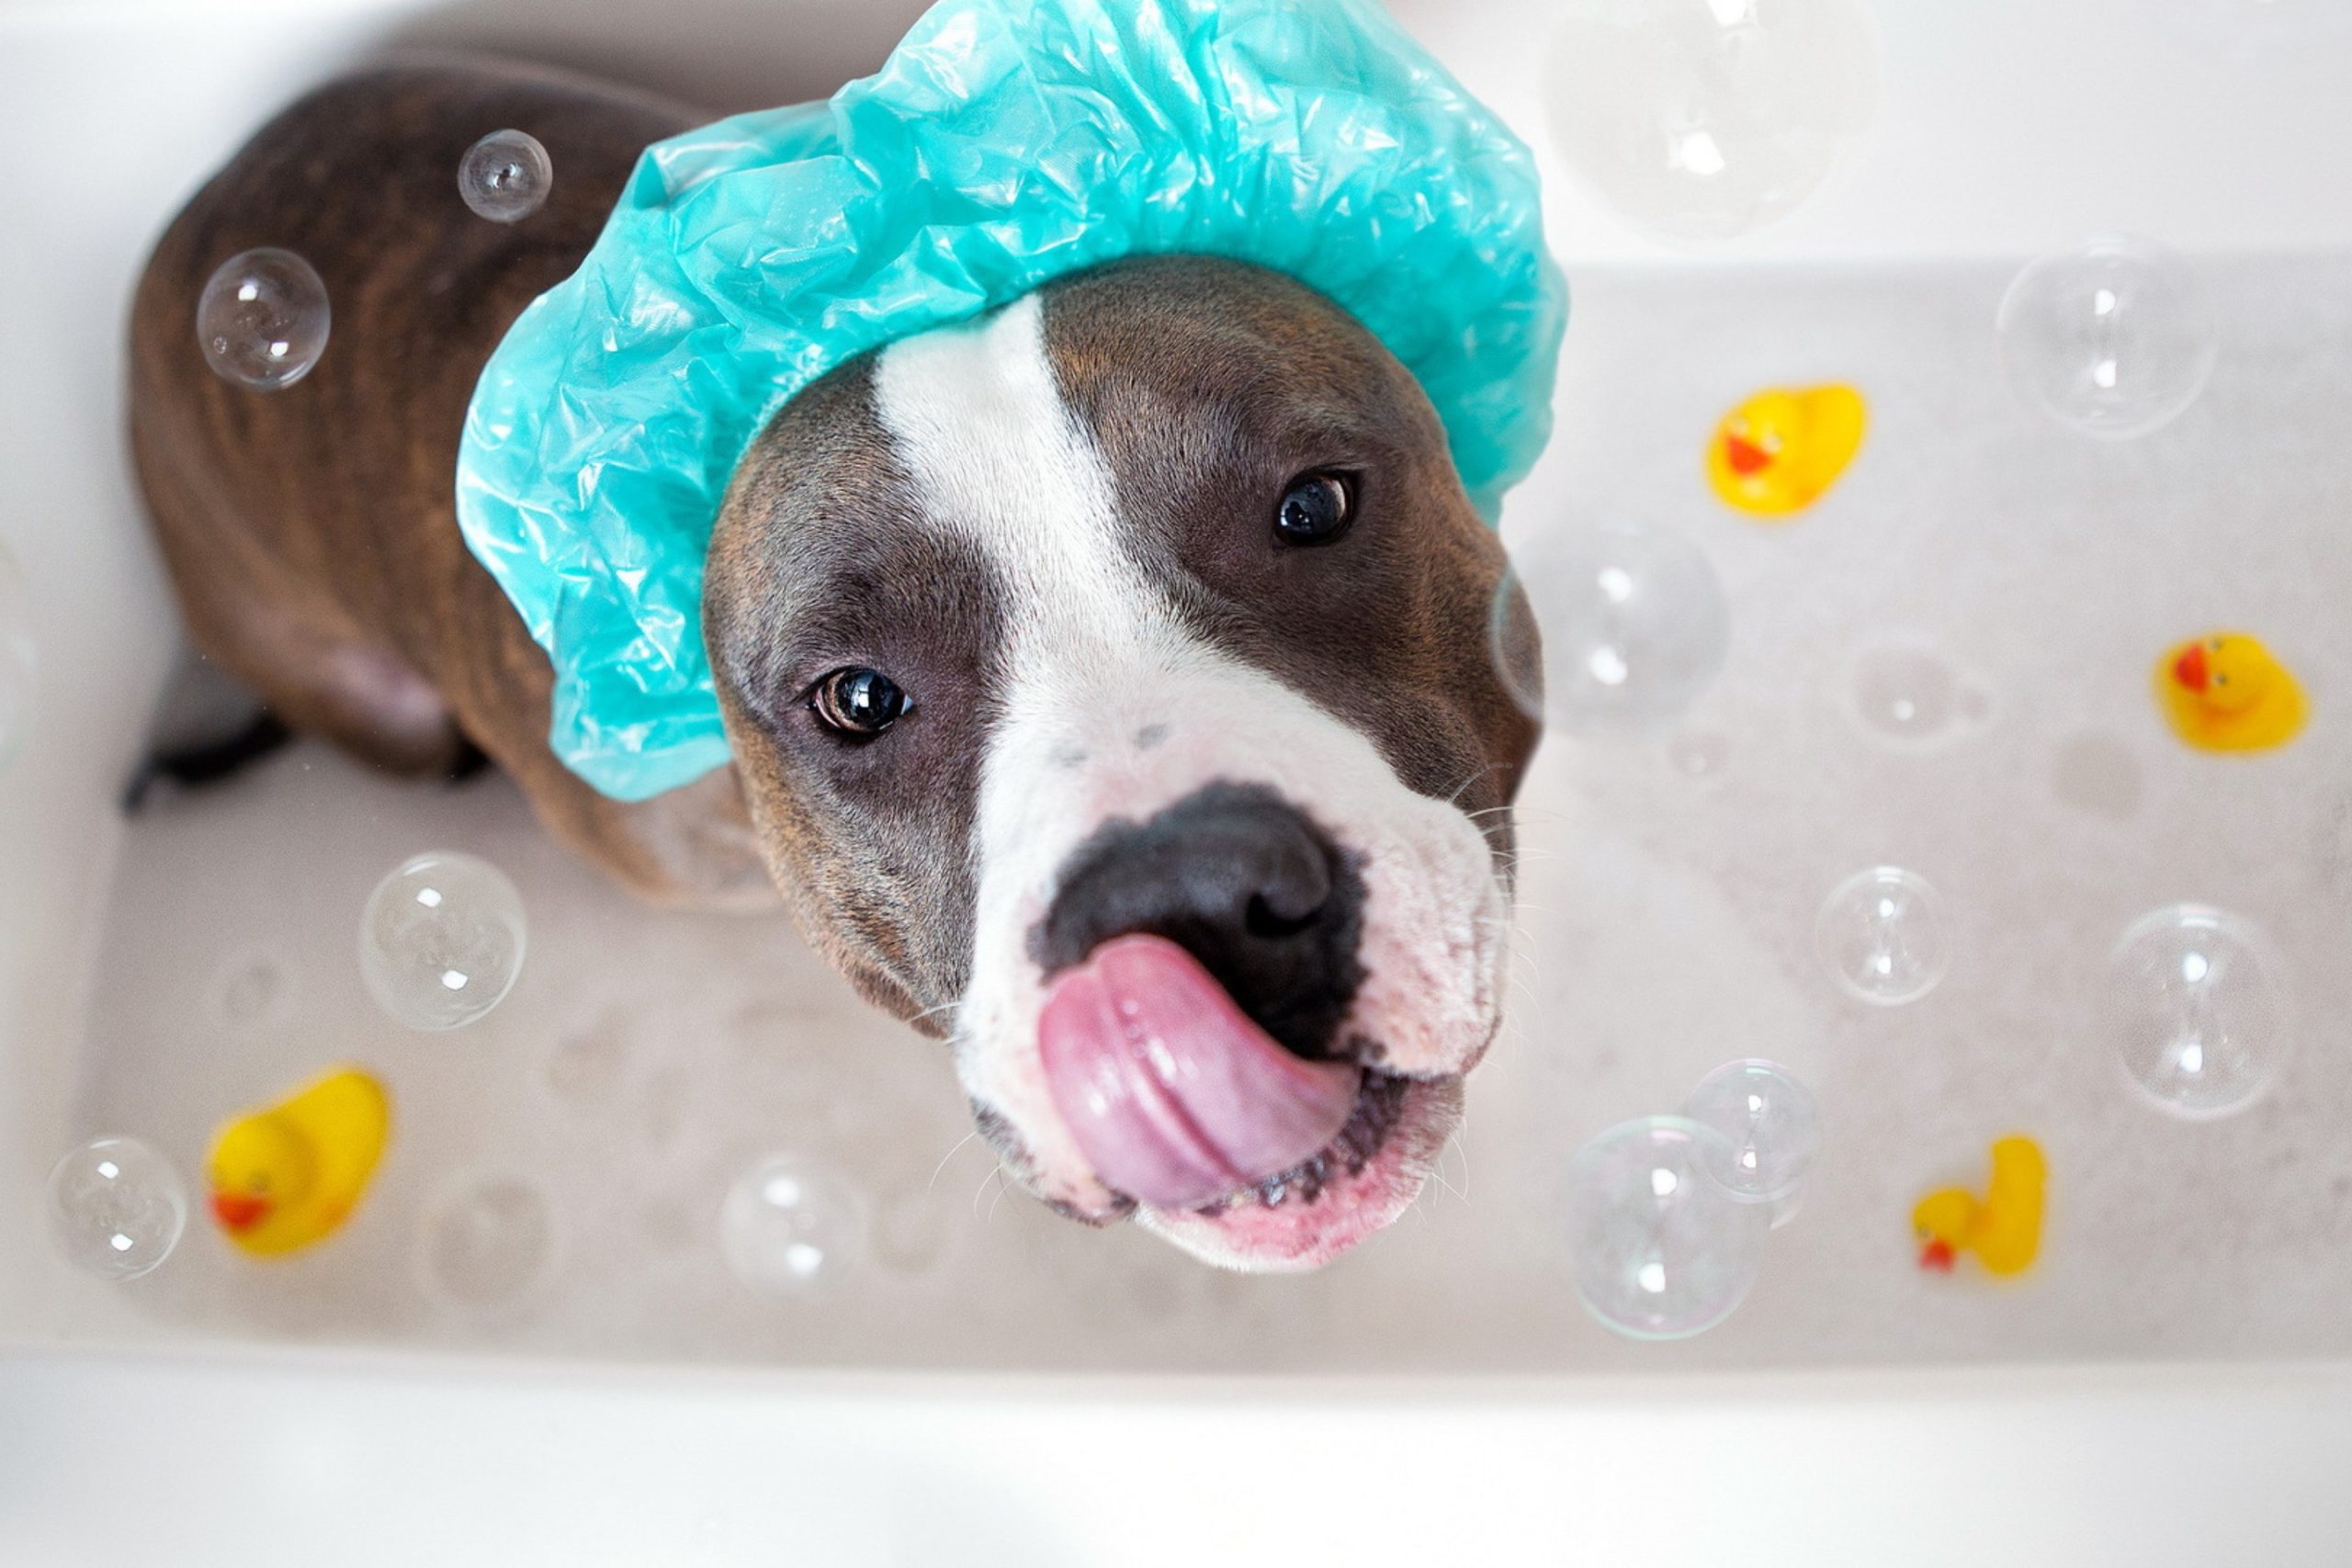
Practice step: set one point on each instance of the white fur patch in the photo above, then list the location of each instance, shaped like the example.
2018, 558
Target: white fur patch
1112, 708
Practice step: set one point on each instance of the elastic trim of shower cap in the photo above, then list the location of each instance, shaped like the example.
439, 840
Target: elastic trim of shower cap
1004, 143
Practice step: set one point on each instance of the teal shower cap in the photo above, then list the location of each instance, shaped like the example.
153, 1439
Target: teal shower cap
1004, 143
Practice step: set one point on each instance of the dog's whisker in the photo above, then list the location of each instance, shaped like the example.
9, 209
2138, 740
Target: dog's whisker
933, 1012
993, 1174
938, 1169
1474, 776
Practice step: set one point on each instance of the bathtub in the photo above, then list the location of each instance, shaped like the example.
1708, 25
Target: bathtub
2172, 1387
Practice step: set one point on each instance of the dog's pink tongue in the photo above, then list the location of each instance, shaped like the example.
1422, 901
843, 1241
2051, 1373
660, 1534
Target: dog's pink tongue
1170, 1090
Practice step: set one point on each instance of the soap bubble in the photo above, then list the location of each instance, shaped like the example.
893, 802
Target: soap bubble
1881, 934
18, 668
441, 941
487, 1244
789, 1227
1633, 628
506, 176
253, 992
1699, 754
1770, 1127
2199, 1014
1910, 696
117, 1207
2114, 338
263, 319
1706, 119
1661, 1251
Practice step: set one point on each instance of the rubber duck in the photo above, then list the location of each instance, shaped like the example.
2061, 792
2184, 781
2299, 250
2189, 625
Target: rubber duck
2004, 1230
1780, 450
2226, 692
287, 1176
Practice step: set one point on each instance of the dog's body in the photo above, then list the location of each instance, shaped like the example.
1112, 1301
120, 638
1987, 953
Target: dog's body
311, 533
1037, 719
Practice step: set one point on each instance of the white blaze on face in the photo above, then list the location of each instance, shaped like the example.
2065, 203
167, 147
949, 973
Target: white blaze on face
1109, 707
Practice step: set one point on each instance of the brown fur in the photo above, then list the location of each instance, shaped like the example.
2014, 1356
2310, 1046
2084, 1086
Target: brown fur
311, 532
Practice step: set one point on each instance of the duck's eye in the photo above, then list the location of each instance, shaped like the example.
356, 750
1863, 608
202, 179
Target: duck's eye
258, 1184
2215, 643
1316, 508
859, 702
2220, 679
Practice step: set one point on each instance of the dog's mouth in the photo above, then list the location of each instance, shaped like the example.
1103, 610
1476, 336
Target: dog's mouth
1184, 1102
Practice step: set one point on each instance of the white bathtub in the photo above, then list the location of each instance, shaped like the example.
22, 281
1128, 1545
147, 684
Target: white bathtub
992, 1410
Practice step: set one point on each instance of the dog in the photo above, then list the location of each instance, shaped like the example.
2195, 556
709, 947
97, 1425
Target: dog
1108, 679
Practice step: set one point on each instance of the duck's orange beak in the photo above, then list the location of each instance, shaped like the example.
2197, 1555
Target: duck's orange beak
1936, 1255
2189, 668
237, 1212
1745, 457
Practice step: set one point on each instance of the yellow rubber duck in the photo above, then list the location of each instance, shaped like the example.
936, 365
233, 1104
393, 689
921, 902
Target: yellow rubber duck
2004, 1230
286, 1177
1780, 450
2227, 693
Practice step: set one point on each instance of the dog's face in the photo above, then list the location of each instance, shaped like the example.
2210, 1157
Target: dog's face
1111, 682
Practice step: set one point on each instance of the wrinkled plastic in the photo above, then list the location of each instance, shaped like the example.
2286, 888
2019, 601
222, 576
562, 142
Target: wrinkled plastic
1005, 143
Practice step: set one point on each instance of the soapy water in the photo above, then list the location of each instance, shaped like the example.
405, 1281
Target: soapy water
506, 176
1880, 935
2114, 338
253, 992
1770, 1130
1661, 1249
1699, 754
1634, 628
1910, 696
789, 1226
115, 1208
263, 319
486, 1244
2199, 1014
1702, 119
18, 670
441, 941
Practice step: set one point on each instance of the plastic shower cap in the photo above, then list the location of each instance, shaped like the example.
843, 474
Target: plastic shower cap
1004, 143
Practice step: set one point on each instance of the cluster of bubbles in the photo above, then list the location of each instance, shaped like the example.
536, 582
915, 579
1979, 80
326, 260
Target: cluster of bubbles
263, 315
1702, 119
1634, 626
1668, 1216
441, 940
18, 669
2113, 338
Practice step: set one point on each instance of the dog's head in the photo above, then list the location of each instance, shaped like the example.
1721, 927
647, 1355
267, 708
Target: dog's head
1110, 679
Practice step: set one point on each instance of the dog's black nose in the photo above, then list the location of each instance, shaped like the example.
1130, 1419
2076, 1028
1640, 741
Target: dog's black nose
1240, 878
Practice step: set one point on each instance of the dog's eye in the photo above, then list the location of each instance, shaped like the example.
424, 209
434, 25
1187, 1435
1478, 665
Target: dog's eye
859, 702
1316, 508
